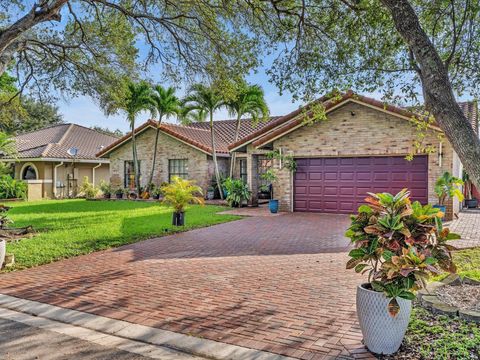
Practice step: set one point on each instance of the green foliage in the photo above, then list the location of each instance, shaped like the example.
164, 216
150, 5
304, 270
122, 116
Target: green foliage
399, 244
11, 188
180, 192
67, 228
271, 177
87, 189
237, 191
117, 132
248, 100
287, 161
7, 145
440, 337
106, 188
448, 186
4, 219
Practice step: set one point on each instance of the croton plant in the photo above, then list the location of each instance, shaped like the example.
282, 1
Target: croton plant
400, 244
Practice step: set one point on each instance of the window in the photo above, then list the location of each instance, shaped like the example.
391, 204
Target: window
129, 174
264, 164
243, 170
177, 167
29, 173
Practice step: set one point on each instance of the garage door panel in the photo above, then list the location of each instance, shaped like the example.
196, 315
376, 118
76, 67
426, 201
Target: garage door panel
340, 185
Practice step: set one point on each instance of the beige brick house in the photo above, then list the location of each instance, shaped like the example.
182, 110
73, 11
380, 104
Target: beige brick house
359, 147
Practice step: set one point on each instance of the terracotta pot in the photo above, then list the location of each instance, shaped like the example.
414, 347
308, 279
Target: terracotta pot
382, 333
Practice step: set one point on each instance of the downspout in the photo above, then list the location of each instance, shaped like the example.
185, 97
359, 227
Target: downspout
93, 172
54, 190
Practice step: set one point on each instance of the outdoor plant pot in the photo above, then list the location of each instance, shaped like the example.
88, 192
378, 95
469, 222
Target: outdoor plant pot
119, 195
3, 249
443, 208
210, 194
273, 206
178, 218
382, 333
156, 196
471, 203
107, 196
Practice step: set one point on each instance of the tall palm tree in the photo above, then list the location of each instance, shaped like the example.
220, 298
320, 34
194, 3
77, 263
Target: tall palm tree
249, 100
137, 100
166, 105
203, 100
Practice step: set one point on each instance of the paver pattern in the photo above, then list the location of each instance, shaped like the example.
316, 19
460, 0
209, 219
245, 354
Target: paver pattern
276, 284
468, 226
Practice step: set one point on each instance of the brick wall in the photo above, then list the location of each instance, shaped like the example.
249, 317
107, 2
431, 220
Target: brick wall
199, 166
369, 132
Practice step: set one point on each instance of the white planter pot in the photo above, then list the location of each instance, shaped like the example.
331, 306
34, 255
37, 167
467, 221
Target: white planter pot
3, 249
382, 333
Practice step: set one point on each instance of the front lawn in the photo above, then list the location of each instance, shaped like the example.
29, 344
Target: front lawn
69, 228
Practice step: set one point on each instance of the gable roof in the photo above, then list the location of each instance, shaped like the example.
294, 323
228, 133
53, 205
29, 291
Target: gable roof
197, 135
293, 120
54, 142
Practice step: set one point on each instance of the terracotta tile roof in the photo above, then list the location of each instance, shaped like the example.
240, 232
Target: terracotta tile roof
54, 142
198, 134
470, 109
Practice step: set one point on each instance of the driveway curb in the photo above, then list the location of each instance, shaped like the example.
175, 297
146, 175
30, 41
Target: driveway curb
140, 333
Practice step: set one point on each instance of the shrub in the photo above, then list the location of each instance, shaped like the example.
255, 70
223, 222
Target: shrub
399, 244
106, 188
180, 193
11, 188
237, 191
88, 190
448, 186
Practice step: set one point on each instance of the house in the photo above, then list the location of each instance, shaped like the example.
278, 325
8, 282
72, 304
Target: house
183, 151
360, 147
54, 160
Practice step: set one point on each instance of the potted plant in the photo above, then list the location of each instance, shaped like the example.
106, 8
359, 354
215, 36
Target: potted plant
210, 193
237, 192
179, 194
119, 193
156, 192
470, 201
271, 177
447, 187
106, 189
399, 244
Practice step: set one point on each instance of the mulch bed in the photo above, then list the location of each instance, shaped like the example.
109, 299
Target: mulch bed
465, 297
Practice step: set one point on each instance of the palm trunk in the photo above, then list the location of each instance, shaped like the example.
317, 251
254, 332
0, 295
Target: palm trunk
214, 154
232, 158
135, 160
437, 89
150, 179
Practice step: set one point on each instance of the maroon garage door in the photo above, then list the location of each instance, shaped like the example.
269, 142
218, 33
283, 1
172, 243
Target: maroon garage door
339, 185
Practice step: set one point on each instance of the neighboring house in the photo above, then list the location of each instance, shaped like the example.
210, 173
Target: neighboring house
360, 147
46, 159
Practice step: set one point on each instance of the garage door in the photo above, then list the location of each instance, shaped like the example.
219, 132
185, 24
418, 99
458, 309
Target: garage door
340, 185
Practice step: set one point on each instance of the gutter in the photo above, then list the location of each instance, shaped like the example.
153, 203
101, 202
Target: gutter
54, 190
93, 172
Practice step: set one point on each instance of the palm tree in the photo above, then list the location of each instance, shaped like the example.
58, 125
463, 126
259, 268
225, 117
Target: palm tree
166, 104
203, 100
249, 100
137, 100
7, 145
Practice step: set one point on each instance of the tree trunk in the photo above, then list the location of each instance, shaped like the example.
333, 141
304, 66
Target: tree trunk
136, 170
232, 158
437, 89
150, 179
214, 154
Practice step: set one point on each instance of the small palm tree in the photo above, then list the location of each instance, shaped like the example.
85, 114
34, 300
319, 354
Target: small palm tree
249, 100
166, 104
7, 145
204, 100
137, 100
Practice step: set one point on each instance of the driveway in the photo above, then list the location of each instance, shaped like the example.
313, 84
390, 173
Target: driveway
276, 284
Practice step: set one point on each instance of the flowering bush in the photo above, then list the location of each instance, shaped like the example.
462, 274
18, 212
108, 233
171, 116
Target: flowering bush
399, 244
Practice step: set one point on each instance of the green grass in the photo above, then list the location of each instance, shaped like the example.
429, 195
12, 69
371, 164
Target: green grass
67, 228
468, 264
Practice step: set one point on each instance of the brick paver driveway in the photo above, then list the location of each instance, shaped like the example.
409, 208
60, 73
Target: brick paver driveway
276, 284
